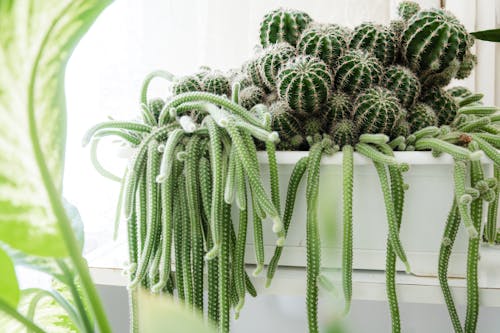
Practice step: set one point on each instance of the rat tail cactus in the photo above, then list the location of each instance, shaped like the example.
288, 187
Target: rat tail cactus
325, 41
377, 40
376, 110
283, 25
286, 124
434, 44
406, 9
404, 83
304, 83
420, 116
273, 58
442, 103
250, 96
338, 107
344, 133
356, 71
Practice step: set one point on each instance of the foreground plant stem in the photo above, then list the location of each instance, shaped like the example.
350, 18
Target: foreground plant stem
347, 182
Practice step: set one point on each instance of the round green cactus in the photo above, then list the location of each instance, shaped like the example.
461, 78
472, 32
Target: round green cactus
406, 9
250, 96
434, 44
397, 27
272, 60
404, 83
401, 128
156, 105
287, 125
467, 65
338, 107
253, 72
344, 133
420, 116
313, 125
217, 83
283, 25
325, 41
357, 71
377, 40
442, 103
304, 83
376, 110
186, 84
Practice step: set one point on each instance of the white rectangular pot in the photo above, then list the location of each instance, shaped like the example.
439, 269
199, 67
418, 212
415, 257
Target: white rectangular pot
427, 203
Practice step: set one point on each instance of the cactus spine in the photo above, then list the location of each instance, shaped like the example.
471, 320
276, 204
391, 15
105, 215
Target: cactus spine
217, 83
377, 40
283, 25
186, 84
434, 44
286, 124
325, 41
357, 70
338, 107
376, 110
404, 83
304, 83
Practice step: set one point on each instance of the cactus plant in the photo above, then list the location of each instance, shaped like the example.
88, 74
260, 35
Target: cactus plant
400, 128
156, 105
313, 125
357, 70
250, 96
442, 103
272, 60
253, 72
344, 133
186, 84
287, 125
325, 41
304, 83
434, 44
338, 107
376, 110
377, 40
406, 9
459, 91
283, 25
216, 82
420, 116
404, 83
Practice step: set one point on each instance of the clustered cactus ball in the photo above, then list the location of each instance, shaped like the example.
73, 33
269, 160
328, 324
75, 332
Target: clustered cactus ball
316, 87
319, 70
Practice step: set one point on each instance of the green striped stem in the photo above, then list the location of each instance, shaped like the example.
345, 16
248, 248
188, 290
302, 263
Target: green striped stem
132, 139
178, 243
391, 215
152, 169
463, 199
374, 138
221, 101
293, 184
194, 213
217, 186
491, 224
168, 154
449, 236
426, 132
257, 236
458, 153
313, 246
476, 209
375, 155
224, 270
347, 185
147, 116
241, 188
488, 149
123, 125
239, 253
145, 85
186, 244
478, 110
492, 139
230, 184
475, 125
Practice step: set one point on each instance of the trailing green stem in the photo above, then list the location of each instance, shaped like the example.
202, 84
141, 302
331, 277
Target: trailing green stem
347, 185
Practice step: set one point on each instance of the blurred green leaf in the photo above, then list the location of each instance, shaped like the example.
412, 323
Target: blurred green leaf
36, 40
492, 35
161, 314
9, 288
